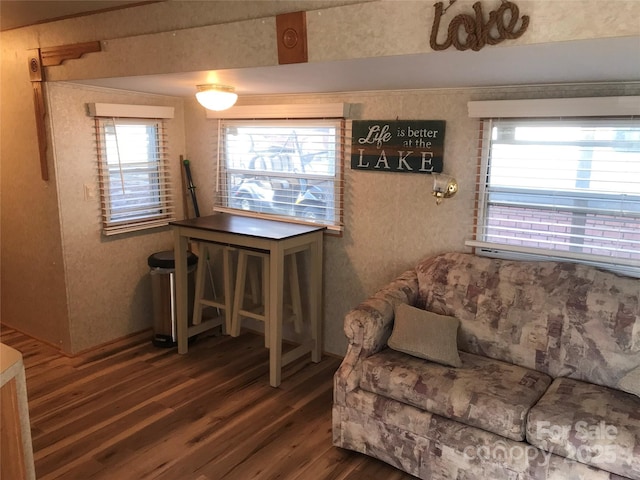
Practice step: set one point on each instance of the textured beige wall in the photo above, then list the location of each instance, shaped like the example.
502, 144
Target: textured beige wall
108, 282
391, 219
64, 284
361, 30
36, 295
32, 272
403, 27
188, 50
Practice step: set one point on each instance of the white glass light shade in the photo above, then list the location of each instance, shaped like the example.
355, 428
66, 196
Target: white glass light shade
216, 97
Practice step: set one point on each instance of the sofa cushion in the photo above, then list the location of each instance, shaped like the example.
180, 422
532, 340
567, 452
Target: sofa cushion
509, 311
484, 393
595, 425
631, 382
601, 332
425, 334
564, 319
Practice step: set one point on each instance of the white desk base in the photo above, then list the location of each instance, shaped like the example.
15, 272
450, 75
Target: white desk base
273, 238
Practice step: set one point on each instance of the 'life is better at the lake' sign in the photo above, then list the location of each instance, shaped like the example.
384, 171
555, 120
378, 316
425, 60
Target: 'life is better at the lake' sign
404, 146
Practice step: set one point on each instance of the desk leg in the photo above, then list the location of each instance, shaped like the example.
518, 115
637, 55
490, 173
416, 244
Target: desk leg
228, 291
180, 258
276, 286
315, 297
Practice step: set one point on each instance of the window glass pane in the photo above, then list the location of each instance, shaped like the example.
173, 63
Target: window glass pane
282, 169
135, 187
568, 187
134, 170
589, 157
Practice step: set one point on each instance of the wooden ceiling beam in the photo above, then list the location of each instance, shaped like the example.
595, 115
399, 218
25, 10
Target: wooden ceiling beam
48, 57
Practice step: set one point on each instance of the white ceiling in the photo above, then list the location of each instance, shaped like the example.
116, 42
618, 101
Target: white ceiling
603, 60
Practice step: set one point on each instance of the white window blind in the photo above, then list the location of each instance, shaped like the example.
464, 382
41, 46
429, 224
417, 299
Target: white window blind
284, 168
135, 187
564, 188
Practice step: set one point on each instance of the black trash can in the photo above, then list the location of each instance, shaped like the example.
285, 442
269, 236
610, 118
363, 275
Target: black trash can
163, 287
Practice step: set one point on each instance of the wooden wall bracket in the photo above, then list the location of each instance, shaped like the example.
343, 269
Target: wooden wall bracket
291, 31
47, 57
52, 56
37, 77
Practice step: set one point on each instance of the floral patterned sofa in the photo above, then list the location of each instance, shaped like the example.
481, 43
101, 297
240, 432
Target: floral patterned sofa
549, 382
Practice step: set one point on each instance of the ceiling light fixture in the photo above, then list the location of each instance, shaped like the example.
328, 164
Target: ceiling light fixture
216, 97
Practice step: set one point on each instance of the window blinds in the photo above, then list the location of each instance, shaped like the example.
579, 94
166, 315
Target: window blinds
286, 168
562, 187
133, 170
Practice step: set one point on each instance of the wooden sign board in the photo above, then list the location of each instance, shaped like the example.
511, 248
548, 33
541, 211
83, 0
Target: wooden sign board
403, 146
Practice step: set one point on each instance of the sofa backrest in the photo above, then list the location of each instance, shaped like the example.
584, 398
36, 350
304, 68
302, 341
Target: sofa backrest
560, 318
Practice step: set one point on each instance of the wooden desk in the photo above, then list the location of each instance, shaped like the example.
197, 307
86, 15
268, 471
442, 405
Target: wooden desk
278, 239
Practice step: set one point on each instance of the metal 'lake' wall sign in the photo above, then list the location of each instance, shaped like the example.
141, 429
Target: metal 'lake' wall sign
404, 146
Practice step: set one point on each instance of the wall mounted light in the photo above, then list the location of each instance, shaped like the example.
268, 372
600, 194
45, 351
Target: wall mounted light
216, 97
444, 186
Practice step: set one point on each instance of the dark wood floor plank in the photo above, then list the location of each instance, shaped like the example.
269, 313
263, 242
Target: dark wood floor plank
75, 449
132, 411
72, 391
104, 407
284, 451
282, 426
229, 439
138, 342
331, 464
215, 407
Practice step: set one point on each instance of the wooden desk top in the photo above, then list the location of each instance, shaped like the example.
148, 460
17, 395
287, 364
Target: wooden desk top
242, 225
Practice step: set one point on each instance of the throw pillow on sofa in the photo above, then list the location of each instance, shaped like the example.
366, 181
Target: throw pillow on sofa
425, 334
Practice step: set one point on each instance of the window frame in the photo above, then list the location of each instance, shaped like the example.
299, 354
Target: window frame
335, 178
483, 246
159, 212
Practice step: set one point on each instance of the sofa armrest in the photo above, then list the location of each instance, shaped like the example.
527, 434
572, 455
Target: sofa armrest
369, 326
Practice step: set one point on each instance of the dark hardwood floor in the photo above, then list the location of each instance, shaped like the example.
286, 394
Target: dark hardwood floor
134, 411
